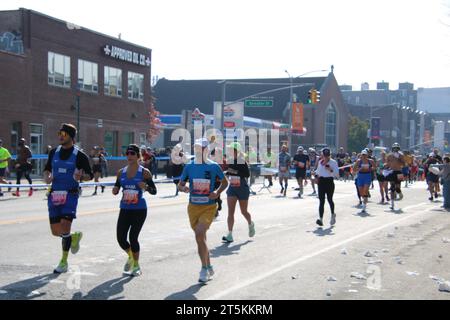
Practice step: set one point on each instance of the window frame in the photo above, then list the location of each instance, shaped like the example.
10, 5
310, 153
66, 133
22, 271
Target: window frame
119, 92
66, 72
94, 71
129, 86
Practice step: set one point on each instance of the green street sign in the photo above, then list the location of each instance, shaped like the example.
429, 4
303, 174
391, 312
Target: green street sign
259, 103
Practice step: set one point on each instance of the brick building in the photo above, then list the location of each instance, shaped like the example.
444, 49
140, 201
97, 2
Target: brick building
53, 71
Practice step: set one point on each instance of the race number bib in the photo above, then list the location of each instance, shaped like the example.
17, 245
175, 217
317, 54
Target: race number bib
301, 165
59, 198
201, 186
400, 177
235, 181
386, 172
130, 196
283, 169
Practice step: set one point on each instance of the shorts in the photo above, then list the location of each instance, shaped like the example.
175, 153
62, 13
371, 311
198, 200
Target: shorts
393, 177
432, 178
300, 173
381, 178
204, 214
2, 172
97, 168
364, 179
69, 209
284, 175
242, 192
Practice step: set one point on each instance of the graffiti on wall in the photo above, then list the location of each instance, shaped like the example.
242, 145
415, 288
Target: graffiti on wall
11, 42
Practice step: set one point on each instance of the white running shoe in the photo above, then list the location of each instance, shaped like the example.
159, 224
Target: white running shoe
61, 268
210, 271
204, 275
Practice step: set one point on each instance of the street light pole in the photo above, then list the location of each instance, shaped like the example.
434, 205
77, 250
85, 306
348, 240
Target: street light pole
291, 93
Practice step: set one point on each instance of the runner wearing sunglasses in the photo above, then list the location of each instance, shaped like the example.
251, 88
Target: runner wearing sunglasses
66, 167
134, 179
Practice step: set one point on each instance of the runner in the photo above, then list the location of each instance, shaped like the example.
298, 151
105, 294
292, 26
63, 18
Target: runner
5, 156
284, 164
381, 167
66, 166
201, 174
271, 160
238, 172
395, 163
96, 157
313, 161
364, 167
23, 165
432, 179
301, 163
407, 168
134, 179
327, 171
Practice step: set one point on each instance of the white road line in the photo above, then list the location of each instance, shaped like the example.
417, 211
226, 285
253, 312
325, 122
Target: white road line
267, 274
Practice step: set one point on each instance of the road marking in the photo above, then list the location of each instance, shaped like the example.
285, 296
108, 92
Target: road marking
267, 274
82, 214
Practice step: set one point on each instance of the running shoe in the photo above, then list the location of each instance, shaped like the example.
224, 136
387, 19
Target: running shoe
16, 194
400, 196
430, 198
282, 190
251, 230
319, 222
103, 189
210, 271
128, 265
333, 219
299, 194
436, 195
75, 245
136, 271
62, 267
204, 275
285, 190
313, 193
30, 193
95, 193
228, 238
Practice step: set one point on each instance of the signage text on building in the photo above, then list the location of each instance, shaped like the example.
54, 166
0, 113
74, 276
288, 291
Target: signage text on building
127, 55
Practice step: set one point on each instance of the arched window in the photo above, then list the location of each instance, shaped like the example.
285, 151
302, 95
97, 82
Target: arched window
330, 126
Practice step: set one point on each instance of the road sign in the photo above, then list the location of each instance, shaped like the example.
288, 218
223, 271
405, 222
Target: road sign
259, 103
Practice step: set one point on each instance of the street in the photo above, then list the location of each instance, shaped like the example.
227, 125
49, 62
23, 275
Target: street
381, 255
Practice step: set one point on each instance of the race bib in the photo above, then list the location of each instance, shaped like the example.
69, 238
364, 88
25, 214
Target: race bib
235, 181
283, 169
201, 187
130, 196
386, 172
301, 165
400, 177
59, 198
62, 170
199, 200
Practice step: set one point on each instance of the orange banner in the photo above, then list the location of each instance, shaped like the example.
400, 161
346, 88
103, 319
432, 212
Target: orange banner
297, 117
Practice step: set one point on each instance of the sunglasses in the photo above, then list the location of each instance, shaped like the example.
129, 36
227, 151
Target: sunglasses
131, 153
62, 134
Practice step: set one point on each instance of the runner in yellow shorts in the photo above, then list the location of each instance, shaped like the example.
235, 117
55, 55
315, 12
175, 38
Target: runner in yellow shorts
201, 174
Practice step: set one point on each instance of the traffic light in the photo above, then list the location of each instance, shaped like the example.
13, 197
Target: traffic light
310, 96
316, 96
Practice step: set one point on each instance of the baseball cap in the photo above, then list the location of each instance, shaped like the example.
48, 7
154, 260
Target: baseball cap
364, 152
203, 142
300, 148
326, 152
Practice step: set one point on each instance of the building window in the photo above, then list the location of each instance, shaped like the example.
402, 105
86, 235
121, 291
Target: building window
127, 139
87, 76
142, 138
135, 86
110, 143
113, 82
58, 70
330, 126
357, 100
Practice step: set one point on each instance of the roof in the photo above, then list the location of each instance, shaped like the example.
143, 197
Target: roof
173, 96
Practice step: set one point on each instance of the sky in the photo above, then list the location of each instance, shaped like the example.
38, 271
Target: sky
366, 40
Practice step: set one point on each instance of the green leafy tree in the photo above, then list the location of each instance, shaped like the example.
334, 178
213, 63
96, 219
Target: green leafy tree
357, 134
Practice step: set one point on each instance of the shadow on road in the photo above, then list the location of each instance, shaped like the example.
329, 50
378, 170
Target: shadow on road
187, 294
105, 290
23, 290
321, 232
363, 214
227, 249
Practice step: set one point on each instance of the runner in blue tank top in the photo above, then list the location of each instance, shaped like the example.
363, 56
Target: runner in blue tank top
66, 167
134, 180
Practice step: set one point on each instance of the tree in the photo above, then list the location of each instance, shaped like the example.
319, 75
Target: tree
155, 124
357, 134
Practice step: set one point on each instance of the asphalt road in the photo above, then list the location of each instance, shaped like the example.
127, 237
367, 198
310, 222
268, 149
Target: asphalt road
289, 258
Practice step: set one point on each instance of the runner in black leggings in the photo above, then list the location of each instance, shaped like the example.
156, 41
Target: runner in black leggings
134, 179
327, 170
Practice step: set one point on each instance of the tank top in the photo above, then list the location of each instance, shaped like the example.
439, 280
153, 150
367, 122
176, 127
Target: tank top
132, 194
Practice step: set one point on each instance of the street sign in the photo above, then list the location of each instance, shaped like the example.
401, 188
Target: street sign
259, 103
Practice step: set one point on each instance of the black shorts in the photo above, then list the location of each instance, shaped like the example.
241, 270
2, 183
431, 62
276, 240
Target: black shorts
432, 178
300, 174
97, 168
381, 178
393, 177
54, 220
